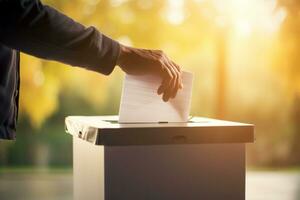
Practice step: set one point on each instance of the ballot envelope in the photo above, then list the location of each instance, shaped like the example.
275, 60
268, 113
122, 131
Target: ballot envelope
140, 102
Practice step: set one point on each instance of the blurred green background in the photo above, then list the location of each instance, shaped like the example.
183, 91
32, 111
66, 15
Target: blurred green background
244, 55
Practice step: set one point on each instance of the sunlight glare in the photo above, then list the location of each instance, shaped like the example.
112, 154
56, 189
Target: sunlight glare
175, 13
116, 3
247, 16
243, 27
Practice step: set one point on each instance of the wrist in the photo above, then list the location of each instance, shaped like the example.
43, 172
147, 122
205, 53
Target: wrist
122, 54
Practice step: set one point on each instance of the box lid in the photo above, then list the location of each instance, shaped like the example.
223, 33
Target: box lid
105, 130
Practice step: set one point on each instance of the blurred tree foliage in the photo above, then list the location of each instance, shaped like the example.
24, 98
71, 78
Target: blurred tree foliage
262, 69
141, 23
287, 63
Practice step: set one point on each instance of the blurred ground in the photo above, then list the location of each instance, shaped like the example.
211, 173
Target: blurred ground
58, 185
273, 185
28, 185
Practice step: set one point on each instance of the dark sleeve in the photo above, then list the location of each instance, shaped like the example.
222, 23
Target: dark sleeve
39, 30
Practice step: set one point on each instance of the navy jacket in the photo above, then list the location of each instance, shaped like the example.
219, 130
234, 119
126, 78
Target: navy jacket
41, 31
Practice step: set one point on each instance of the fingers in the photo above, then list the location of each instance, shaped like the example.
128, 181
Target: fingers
179, 84
172, 81
171, 74
174, 86
167, 84
179, 70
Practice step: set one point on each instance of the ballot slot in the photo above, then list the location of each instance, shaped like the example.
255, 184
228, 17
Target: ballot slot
191, 120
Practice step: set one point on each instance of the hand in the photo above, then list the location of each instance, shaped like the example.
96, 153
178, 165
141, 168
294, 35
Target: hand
142, 61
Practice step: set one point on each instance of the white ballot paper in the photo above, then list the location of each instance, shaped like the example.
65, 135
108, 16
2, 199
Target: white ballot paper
140, 102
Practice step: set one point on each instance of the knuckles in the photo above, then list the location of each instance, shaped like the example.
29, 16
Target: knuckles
160, 54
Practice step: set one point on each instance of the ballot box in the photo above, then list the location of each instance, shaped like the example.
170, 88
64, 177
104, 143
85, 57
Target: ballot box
201, 159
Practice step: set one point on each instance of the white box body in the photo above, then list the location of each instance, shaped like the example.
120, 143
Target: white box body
193, 163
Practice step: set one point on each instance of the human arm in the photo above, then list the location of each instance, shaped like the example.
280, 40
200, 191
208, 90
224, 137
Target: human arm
39, 30
42, 31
